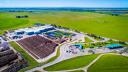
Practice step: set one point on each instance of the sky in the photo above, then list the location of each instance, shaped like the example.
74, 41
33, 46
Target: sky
64, 3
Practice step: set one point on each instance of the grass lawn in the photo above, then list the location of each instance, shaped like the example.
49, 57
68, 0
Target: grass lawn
72, 63
31, 61
87, 40
110, 63
77, 71
100, 24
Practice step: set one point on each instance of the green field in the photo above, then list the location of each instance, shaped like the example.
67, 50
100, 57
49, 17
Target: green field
110, 63
77, 71
72, 63
87, 40
100, 24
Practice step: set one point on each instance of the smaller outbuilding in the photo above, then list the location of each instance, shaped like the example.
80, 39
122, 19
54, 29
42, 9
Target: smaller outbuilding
37, 32
30, 33
38, 24
114, 46
78, 46
20, 32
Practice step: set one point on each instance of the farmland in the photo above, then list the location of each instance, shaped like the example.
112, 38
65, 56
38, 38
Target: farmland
100, 24
105, 25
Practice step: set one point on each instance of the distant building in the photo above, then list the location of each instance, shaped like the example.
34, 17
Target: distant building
37, 32
114, 46
30, 33
79, 46
38, 24
20, 32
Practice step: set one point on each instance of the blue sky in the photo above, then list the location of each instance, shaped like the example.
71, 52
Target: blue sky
63, 3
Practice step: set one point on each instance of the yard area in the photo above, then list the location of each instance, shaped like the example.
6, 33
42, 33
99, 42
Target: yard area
110, 63
72, 63
38, 46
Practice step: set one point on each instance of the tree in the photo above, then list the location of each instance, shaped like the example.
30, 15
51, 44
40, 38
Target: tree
26, 16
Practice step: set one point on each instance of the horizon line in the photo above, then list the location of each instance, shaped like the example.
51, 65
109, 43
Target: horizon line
63, 7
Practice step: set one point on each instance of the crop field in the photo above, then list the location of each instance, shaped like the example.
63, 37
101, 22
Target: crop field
110, 63
100, 24
72, 63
